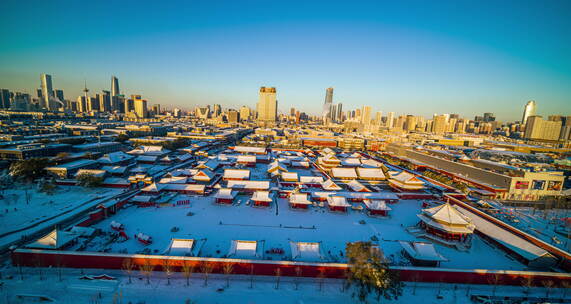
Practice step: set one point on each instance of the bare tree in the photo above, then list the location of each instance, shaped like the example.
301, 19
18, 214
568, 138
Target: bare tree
527, 283
548, 284
59, 266
415, 278
252, 276
167, 267
495, 280
278, 273
147, 269
227, 269
128, 267
321, 277
18, 261
38, 263
187, 270
565, 285
297, 277
206, 268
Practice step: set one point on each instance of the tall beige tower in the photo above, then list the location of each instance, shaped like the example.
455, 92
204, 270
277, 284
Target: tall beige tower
140, 106
366, 115
267, 105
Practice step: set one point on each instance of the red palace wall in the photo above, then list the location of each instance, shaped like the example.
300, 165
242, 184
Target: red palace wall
47, 258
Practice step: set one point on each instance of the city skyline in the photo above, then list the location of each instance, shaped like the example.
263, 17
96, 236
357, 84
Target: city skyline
376, 54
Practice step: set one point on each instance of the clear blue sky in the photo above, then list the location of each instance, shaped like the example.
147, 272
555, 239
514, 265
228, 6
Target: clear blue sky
417, 57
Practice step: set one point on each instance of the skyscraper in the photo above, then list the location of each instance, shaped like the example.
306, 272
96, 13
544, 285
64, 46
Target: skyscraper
244, 113
439, 124
115, 86
140, 106
390, 119
537, 128
4, 99
339, 112
528, 111
366, 115
328, 104
47, 91
105, 101
267, 105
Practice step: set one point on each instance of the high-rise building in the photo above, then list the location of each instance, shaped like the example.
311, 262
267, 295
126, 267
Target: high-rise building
4, 99
81, 104
439, 124
47, 91
140, 105
390, 119
537, 128
339, 112
20, 101
176, 112
327, 105
129, 105
105, 101
410, 124
366, 115
489, 117
233, 116
93, 103
244, 113
267, 105
528, 111
156, 109
115, 86
217, 110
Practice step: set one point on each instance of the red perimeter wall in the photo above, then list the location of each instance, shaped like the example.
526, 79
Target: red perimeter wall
47, 258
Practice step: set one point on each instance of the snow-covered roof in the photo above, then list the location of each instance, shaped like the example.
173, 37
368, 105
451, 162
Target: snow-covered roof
203, 175
245, 249
407, 178
422, 251
150, 150
447, 218
246, 184
225, 193
344, 173
357, 186
53, 240
351, 162
337, 201
185, 187
173, 180
237, 173
211, 164
115, 169
306, 251
92, 172
262, 196
246, 159
181, 247
311, 179
147, 158
370, 163
244, 149
303, 164
370, 173
299, 198
519, 245
289, 176
276, 166
330, 185
376, 204
114, 157
154, 187
184, 172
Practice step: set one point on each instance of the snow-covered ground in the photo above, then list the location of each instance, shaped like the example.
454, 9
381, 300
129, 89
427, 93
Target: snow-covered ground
219, 225
240, 290
16, 213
